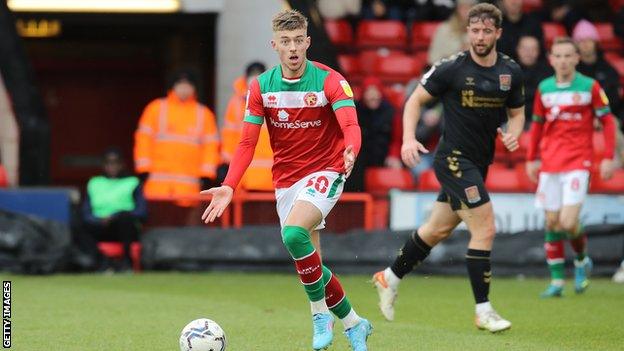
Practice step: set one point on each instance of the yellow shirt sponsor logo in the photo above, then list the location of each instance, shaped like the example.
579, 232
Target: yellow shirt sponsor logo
347, 88
603, 97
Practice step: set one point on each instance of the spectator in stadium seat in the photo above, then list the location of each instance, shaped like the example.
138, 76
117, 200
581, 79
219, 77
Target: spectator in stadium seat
258, 176
429, 10
516, 23
564, 12
382, 10
450, 37
114, 205
176, 143
375, 117
339, 9
593, 64
533, 63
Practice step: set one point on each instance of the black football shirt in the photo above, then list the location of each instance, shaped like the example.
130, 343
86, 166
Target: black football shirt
475, 100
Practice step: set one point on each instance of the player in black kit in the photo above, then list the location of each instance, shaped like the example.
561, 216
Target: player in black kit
479, 89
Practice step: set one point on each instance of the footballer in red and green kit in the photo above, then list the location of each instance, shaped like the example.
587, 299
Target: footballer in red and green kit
299, 114
567, 112
565, 108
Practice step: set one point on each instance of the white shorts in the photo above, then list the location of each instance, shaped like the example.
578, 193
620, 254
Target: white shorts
561, 189
322, 189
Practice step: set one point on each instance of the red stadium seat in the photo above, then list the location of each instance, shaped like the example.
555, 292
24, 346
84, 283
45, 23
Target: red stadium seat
422, 33
428, 181
4, 180
531, 5
398, 68
368, 59
340, 32
616, 4
551, 31
525, 183
114, 249
357, 92
608, 40
381, 179
502, 180
614, 185
396, 95
390, 34
349, 65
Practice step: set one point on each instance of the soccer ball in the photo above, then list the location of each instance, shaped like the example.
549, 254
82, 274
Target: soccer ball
202, 335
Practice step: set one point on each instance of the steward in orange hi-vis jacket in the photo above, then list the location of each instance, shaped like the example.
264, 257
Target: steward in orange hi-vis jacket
176, 143
258, 176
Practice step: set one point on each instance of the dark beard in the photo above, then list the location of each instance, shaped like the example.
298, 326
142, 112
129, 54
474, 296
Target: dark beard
485, 53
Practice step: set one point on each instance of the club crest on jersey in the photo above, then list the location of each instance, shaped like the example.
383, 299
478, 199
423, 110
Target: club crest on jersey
310, 99
346, 88
282, 115
576, 98
504, 81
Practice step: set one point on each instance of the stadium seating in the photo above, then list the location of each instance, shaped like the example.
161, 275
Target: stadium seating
428, 181
614, 185
368, 59
395, 95
531, 5
398, 68
501, 179
381, 180
608, 40
525, 184
349, 66
551, 31
422, 33
340, 32
114, 249
389, 34
4, 181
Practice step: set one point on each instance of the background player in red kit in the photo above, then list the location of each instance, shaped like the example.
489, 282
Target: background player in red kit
315, 138
563, 123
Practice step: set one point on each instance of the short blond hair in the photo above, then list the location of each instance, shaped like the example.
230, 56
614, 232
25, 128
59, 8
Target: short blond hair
564, 40
289, 20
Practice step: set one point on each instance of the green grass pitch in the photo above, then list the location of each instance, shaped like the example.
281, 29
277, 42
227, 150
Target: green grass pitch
270, 312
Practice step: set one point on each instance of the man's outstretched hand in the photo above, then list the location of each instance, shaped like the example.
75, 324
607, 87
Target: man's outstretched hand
221, 197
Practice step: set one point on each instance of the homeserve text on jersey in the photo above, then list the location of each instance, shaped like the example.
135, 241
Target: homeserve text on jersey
295, 124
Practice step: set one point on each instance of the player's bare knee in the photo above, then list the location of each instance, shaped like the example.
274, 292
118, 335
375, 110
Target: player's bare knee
434, 233
442, 232
568, 224
552, 224
485, 233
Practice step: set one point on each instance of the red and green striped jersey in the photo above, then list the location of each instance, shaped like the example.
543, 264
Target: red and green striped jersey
304, 132
567, 112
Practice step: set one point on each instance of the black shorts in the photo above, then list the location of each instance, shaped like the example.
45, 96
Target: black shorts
463, 182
